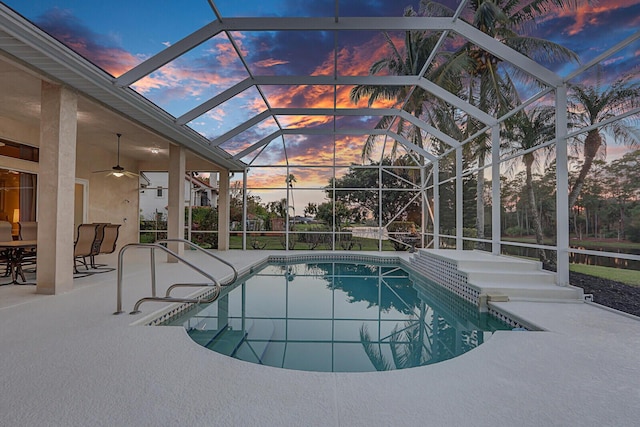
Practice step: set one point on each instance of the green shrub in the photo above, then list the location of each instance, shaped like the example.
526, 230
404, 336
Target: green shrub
515, 231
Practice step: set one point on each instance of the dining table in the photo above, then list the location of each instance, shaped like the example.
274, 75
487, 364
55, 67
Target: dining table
14, 252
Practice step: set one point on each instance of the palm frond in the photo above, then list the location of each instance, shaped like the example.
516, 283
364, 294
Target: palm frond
396, 54
432, 8
373, 353
541, 50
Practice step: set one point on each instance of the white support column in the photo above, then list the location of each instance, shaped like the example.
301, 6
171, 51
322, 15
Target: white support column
495, 190
436, 205
562, 188
175, 217
56, 188
459, 199
424, 201
224, 212
244, 210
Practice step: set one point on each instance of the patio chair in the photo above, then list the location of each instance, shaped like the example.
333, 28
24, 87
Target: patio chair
28, 230
111, 232
5, 236
107, 244
84, 246
5, 231
97, 241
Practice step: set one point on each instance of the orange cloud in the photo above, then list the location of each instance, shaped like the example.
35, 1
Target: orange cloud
314, 178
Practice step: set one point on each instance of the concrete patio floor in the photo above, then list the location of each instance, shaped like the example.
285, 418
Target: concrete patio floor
66, 360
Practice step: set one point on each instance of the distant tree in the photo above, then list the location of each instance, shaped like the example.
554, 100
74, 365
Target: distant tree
357, 190
278, 208
326, 213
526, 131
254, 205
311, 209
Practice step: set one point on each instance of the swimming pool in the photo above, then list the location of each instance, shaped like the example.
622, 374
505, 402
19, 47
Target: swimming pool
338, 317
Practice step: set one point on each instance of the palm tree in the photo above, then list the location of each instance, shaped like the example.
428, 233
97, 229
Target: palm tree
590, 105
488, 87
290, 180
418, 46
525, 132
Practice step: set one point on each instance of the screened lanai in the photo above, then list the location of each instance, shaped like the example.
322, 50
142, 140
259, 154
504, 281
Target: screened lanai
354, 125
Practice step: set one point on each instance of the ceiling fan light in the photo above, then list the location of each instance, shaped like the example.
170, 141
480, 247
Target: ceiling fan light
118, 174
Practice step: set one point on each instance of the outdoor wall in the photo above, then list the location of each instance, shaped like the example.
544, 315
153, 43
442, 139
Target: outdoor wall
110, 199
19, 131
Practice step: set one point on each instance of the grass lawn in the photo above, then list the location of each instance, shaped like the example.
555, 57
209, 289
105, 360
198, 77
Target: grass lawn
277, 243
629, 277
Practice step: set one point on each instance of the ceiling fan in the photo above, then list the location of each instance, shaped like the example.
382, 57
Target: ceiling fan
118, 171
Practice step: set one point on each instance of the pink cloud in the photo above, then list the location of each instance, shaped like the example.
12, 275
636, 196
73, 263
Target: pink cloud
266, 63
586, 14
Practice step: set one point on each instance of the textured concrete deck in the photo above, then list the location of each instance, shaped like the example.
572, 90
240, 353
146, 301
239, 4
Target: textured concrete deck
68, 361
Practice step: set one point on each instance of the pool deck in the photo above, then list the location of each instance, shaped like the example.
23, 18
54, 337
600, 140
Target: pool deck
66, 360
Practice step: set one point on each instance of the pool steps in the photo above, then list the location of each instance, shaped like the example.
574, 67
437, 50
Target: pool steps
480, 277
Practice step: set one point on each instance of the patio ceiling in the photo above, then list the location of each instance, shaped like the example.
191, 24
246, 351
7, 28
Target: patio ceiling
268, 102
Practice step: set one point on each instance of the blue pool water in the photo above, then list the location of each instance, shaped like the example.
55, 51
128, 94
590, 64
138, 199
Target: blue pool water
338, 317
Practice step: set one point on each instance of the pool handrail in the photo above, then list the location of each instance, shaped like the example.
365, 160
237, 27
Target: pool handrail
212, 298
217, 258
152, 247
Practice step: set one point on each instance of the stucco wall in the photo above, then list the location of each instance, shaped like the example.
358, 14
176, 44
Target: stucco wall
111, 199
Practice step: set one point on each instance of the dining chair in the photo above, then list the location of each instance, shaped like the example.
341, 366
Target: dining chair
28, 230
5, 231
5, 236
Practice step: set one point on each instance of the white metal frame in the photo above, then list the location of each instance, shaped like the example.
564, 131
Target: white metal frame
40, 51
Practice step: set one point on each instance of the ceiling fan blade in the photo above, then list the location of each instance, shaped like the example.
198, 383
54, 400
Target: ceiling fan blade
118, 171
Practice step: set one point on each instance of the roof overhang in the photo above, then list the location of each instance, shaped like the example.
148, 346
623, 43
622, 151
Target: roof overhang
42, 53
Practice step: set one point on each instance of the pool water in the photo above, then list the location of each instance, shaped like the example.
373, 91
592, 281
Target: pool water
338, 317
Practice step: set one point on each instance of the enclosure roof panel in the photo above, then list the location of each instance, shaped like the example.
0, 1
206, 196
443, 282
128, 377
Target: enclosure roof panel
224, 78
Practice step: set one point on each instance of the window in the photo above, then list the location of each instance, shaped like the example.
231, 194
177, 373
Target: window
18, 151
159, 191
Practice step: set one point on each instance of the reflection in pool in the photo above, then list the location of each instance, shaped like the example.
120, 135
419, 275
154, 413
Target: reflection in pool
338, 317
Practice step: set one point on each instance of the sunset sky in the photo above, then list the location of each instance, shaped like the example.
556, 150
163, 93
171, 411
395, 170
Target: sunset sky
119, 34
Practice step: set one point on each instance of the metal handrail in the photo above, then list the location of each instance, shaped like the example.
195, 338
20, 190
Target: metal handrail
212, 298
184, 285
217, 258
153, 297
